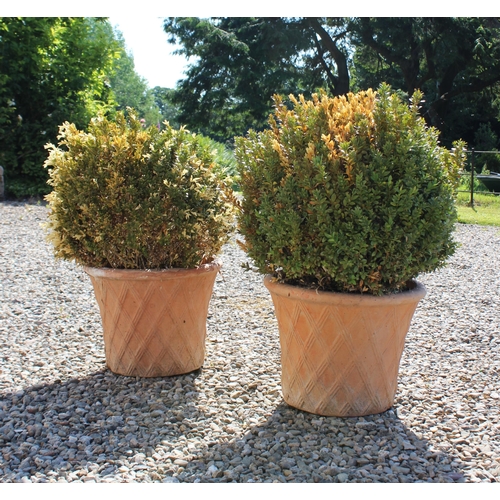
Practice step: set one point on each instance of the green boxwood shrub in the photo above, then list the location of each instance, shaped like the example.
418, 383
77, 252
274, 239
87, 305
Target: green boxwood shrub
349, 194
128, 197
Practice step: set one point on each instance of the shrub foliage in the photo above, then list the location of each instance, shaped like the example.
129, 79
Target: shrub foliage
133, 198
349, 194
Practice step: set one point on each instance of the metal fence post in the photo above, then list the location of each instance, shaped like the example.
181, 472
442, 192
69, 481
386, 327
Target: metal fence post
472, 179
2, 186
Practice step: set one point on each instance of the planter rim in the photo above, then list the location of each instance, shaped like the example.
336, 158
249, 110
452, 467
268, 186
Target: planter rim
416, 293
149, 274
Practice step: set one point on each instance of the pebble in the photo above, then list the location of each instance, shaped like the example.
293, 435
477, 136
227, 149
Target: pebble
64, 417
170, 479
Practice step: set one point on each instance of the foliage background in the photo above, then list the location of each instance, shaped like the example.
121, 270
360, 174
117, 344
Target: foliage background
51, 70
58, 69
54, 70
242, 62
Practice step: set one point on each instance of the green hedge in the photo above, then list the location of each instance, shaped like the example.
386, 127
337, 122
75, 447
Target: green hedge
349, 194
133, 198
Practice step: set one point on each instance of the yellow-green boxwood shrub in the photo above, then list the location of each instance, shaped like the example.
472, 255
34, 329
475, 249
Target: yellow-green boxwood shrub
129, 197
349, 194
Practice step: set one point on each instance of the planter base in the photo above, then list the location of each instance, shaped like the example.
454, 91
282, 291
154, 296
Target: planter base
154, 322
340, 353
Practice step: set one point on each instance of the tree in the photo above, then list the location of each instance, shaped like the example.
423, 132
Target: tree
242, 62
51, 70
454, 61
163, 99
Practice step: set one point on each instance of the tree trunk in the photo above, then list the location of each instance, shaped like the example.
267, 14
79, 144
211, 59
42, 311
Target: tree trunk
340, 84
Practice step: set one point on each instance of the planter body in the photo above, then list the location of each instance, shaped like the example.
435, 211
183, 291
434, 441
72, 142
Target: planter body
154, 322
340, 352
492, 181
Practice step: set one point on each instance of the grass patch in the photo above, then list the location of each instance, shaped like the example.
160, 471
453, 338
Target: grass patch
486, 211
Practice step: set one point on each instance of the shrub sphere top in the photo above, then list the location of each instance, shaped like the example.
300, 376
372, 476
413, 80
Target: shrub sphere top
348, 194
130, 197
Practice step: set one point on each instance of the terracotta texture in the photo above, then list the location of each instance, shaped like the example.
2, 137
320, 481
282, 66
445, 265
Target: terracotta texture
154, 322
340, 352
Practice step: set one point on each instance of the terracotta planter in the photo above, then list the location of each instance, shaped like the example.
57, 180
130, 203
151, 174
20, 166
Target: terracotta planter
340, 352
154, 322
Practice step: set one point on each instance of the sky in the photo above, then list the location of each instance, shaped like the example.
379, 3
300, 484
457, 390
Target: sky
147, 42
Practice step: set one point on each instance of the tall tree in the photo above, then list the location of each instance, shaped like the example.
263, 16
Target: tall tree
455, 61
51, 70
242, 62
163, 99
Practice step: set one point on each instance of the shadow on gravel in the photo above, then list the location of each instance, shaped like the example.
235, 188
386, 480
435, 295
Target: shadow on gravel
95, 424
93, 420
295, 446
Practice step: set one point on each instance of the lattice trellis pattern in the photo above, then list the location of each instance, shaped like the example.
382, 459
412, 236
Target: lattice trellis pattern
154, 327
340, 360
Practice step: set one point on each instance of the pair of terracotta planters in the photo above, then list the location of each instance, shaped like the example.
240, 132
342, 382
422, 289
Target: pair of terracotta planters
340, 353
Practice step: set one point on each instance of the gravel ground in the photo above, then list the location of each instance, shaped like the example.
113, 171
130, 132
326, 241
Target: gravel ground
65, 418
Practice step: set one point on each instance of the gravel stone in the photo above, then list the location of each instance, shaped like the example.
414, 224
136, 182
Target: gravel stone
64, 417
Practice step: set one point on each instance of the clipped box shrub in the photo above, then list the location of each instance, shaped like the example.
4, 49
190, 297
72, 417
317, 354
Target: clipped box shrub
129, 197
348, 194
